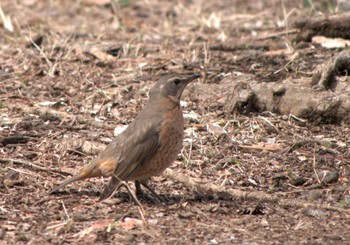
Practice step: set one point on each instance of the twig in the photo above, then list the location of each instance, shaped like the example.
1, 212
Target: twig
32, 165
24, 172
43, 200
4, 209
65, 210
314, 165
249, 196
303, 142
41, 51
292, 58
134, 198
277, 34
119, 183
53, 114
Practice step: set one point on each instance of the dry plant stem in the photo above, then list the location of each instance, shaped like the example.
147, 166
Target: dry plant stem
32, 165
133, 196
44, 200
314, 165
65, 210
248, 196
47, 113
303, 142
278, 34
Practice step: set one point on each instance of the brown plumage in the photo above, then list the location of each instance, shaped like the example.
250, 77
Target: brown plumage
149, 144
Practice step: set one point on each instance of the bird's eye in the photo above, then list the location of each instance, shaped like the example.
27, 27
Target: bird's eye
176, 81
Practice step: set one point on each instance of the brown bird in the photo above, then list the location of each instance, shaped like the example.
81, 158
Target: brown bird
148, 145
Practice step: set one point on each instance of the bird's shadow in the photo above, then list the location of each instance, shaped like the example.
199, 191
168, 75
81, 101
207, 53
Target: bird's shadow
167, 199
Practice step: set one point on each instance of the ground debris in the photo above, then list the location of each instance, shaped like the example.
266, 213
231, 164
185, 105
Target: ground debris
73, 74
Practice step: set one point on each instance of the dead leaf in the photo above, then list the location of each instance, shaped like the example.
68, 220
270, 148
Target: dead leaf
99, 225
215, 129
344, 179
129, 223
119, 129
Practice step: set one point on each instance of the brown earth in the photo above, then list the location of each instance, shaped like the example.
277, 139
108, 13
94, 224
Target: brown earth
73, 71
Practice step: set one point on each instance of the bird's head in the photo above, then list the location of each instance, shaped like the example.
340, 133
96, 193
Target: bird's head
172, 85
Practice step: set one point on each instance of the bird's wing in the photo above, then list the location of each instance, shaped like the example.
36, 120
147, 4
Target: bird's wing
137, 149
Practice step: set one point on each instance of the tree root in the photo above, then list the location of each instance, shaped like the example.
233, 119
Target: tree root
261, 197
324, 78
329, 26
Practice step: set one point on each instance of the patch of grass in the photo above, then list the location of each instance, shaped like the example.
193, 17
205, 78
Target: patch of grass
271, 189
3, 104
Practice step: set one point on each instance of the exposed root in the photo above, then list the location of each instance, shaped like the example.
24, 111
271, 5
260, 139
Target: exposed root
324, 78
212, 189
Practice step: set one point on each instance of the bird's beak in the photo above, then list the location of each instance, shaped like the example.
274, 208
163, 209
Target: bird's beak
192, 77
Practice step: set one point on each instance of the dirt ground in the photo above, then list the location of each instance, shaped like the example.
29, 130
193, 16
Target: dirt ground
73, 72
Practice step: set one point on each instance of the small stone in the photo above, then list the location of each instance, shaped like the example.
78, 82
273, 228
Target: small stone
213, 241
264, 222
315, 212
185, 215
315, 194
328, 177
298, 181
159, 215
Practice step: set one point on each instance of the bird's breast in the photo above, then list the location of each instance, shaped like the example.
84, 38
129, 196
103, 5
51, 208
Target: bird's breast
171, 131
170, 140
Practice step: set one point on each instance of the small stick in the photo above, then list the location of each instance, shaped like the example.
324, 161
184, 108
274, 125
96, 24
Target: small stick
314, 165
133, 196
33, 165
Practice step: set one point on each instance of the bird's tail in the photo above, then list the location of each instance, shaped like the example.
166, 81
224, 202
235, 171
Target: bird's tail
108, 191
84, 173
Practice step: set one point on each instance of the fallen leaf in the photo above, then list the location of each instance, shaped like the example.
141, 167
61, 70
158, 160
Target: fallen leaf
119, 129
215, 129
129, 223
99, 225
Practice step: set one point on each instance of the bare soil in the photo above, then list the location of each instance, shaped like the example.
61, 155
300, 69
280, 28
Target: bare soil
72, 72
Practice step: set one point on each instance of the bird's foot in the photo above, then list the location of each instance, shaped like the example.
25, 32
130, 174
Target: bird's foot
141, 193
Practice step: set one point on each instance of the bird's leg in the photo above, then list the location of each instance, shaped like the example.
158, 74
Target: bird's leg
134, 198
139, 191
